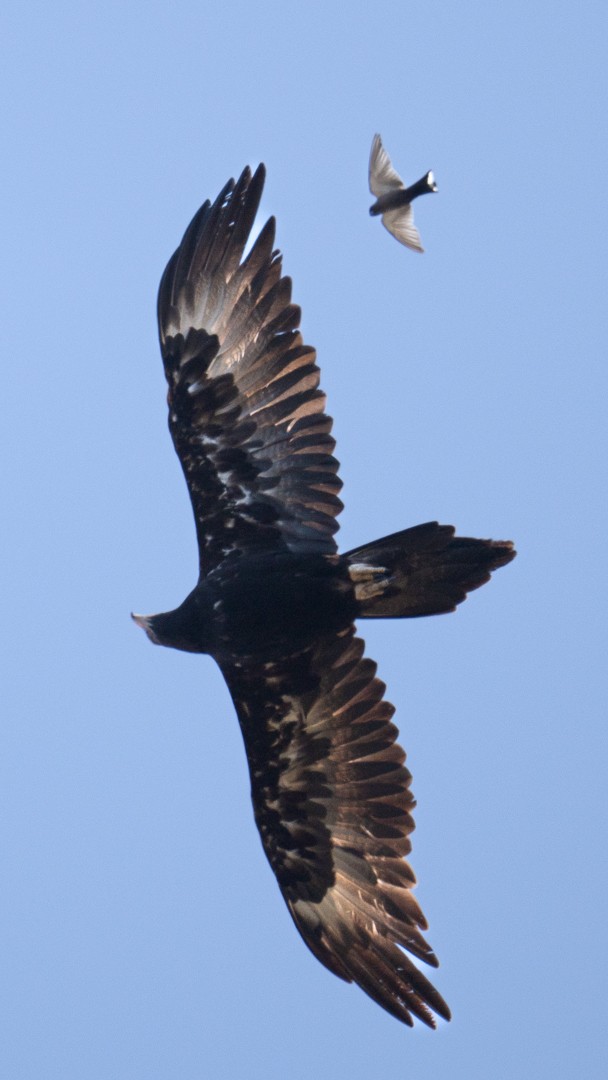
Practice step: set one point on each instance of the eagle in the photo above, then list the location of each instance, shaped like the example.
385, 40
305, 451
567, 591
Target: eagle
393, 198
275, 603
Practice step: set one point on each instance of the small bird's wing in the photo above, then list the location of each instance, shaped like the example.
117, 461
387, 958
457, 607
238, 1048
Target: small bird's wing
400, 223
245, 410
332, 804
382, 176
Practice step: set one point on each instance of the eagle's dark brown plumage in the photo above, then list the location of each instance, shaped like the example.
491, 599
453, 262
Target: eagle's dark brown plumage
275, 604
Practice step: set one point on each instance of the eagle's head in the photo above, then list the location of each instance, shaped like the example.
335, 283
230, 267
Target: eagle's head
147, 623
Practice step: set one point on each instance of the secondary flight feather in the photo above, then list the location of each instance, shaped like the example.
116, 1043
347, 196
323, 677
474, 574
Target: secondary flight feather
275, 604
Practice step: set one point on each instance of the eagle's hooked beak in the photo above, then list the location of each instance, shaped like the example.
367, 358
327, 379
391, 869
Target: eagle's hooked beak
145, 622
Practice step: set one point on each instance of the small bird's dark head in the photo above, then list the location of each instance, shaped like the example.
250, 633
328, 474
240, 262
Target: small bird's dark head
430, 182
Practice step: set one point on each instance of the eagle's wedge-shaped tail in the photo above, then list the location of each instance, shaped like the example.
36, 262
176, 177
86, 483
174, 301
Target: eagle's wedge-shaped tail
426, 570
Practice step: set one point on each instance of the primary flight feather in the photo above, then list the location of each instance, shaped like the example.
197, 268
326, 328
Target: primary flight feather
275, 604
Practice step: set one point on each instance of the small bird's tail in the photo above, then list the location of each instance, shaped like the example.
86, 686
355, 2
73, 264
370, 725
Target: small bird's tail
422, 571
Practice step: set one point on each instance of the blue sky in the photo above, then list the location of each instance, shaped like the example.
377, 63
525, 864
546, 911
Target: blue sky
144, 937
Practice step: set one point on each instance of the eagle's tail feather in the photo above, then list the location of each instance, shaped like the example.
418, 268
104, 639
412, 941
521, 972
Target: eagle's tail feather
425, 570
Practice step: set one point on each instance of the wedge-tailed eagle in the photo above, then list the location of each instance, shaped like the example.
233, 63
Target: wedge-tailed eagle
393, 199
275, 604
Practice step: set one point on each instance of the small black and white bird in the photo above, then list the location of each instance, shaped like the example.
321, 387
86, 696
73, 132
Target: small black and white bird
275, 603
393, 198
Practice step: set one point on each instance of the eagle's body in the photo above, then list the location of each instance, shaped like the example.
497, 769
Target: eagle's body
250, 607
275, 603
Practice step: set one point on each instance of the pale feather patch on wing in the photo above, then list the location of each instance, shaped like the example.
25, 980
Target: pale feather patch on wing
382, 176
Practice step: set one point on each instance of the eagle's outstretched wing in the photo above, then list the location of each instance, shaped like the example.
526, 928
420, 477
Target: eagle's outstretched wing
245, 410
332, 803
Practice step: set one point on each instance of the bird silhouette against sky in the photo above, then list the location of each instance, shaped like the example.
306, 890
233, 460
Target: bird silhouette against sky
275, 604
